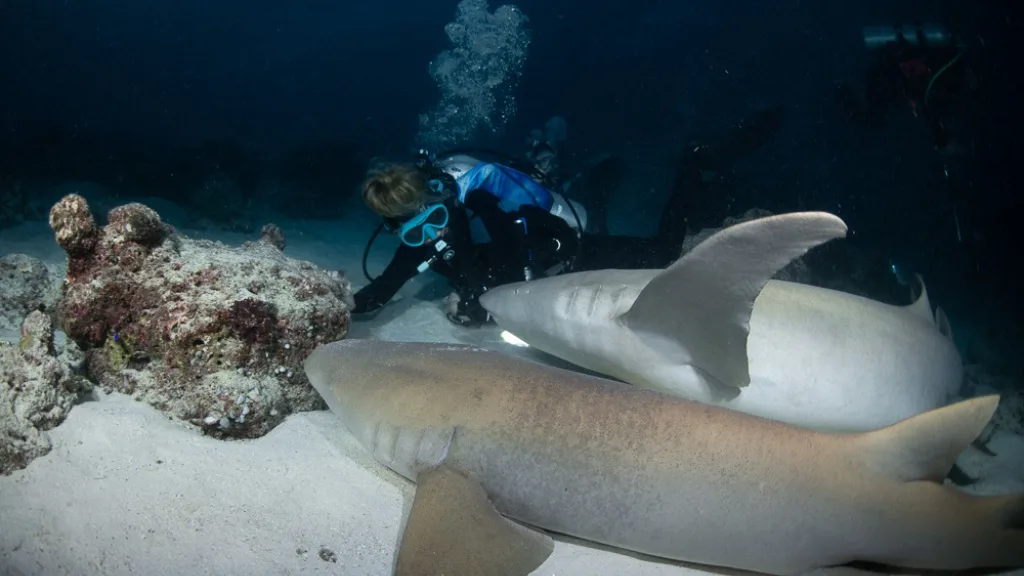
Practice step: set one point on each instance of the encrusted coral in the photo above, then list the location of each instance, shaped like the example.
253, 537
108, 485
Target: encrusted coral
26, 284
139, 224
37, 390
273, 235
74, 225
209, 333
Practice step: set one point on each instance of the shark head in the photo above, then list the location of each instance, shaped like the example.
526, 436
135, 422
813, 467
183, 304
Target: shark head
377, 388
346, 374
507, 302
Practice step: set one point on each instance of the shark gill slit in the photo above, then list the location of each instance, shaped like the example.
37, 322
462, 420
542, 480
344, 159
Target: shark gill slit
571, 303
592, 302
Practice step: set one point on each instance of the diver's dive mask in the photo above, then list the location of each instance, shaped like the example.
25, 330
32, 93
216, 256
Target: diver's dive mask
423, 226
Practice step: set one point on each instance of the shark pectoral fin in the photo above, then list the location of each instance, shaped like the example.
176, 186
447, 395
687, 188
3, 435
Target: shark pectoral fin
454, 530
698, 309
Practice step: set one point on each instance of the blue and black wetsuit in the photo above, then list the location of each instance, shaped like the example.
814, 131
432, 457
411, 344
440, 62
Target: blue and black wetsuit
491, 245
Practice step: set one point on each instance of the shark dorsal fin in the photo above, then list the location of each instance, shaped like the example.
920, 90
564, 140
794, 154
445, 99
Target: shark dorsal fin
942, 322
925, 447
698, 309
922, 306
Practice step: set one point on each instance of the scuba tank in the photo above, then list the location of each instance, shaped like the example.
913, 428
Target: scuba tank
928, 34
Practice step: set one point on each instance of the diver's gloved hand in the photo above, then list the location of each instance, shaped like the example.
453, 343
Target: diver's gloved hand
469, 313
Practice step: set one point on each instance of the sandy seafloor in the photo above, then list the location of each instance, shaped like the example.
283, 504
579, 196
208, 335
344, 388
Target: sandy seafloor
126, 490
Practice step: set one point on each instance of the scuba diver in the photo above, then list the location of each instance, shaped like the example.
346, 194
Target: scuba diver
921, 65
926, 67
486, 223
479, 224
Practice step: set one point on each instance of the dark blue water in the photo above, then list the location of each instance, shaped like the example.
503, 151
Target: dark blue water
150, 98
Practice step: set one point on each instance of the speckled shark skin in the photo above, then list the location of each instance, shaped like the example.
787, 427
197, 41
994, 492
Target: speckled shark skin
500, 447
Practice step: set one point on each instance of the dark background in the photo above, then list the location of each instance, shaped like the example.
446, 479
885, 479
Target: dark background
111, 90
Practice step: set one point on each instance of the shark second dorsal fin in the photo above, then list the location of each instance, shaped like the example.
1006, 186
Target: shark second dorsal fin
453, 529
925, 447
922, 306
698, 309
942, 322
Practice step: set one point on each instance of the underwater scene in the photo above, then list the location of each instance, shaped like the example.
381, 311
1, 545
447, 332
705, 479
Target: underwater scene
485, 287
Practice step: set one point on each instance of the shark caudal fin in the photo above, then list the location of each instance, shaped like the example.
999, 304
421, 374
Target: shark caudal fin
698, 309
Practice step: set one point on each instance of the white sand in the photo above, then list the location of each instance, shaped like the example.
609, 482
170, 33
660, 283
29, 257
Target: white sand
128, 491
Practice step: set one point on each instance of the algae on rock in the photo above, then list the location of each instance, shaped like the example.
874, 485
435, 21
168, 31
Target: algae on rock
212, 334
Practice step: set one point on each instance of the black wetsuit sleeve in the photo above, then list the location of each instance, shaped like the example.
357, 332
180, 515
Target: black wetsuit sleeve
382, 289
500, 225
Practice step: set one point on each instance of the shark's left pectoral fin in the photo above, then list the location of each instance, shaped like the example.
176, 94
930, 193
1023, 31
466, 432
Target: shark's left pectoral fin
698, 309
454, 530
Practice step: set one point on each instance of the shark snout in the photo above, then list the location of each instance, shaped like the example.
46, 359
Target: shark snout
507, 301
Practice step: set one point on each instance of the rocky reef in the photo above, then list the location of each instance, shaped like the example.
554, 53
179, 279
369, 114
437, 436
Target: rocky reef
211, 334
38, 387
26, 284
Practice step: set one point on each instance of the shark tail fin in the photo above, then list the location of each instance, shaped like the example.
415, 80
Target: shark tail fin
925, 446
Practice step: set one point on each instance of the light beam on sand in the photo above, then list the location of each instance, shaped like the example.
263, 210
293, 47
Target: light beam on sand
510, 338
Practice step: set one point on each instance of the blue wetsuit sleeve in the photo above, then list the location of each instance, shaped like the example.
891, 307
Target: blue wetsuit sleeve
511, 187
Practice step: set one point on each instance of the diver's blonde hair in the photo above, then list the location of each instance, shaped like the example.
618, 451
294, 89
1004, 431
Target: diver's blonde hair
396, 190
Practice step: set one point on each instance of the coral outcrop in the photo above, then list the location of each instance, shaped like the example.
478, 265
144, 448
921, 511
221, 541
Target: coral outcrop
211, 334
272, 234
38, 387
26, 284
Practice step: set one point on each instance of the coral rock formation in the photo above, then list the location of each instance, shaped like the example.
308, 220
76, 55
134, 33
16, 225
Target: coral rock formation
211, 334
272, 234
37, 390
74, 225
26, 284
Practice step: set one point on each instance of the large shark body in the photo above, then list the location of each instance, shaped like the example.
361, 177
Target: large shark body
713, 328
500, 447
